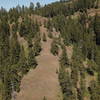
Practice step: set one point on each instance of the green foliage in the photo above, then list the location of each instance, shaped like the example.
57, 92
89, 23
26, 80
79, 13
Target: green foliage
37, 45
54, 48
59, 22
49, 25
7, 87
82, 5
38, 5
89, 46
23, 65
4, 42
66, 84
97, 60
77, 56
74, 76
65, 26
76, 65
63, 58
86, 40
32, 63
92, 67
14, 47
31, 8
57, 8
94, 90
82, 90
28, 28
97, 28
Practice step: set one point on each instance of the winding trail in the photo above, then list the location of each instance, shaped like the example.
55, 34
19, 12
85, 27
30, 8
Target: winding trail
42, 81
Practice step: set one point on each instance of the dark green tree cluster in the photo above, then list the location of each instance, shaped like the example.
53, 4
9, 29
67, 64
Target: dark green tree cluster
86, 4
28, 28
97, 28
31, 59
67, 7
54, 48
64, 61
65, 77
94, 90
55, 9
13, 61
37, 45
9, 56
66, 84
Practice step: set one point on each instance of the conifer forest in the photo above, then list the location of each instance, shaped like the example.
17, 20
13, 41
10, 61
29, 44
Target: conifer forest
51, 51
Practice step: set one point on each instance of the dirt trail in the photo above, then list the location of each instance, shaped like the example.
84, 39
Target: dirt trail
42, 81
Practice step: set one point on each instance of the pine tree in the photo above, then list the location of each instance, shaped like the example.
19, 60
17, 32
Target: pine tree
14, 47
32, 63
4, 42
37, 45
31, 7
54, 48
63, 58
66, 85
23, 66
97, 28
94, 90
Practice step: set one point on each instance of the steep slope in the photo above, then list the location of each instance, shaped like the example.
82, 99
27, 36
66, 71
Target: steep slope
43, 81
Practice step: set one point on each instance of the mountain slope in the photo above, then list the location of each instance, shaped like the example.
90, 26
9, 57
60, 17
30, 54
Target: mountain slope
43, 81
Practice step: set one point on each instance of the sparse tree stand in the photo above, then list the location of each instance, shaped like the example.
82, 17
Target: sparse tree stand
97, 28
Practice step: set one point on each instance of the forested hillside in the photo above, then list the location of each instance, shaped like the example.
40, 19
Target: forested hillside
66, 34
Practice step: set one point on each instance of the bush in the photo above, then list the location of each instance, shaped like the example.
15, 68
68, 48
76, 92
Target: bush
54, 48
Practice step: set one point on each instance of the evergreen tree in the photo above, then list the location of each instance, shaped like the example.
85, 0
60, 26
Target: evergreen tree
97, 28
65, 83
32, 63
63, 58
31, 7
54, 48
38, 5
23, 66
14, 47
4, 42
94, 90
37, 45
